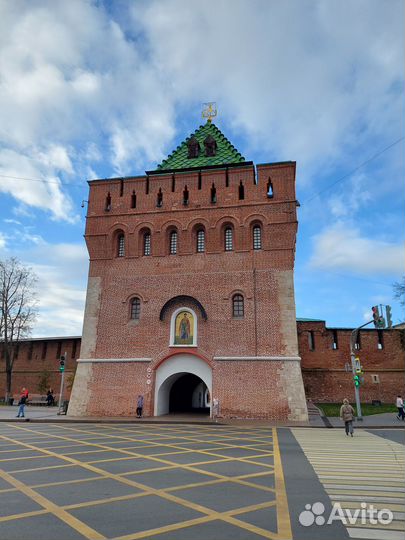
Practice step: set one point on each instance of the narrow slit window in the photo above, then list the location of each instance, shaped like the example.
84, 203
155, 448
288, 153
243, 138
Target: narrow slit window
241, 191
59, 349
121, 246
226, 178
311, 340
133, 200
108, 202
257, 237
30, 350
185, 196
147, 185
269, 189
173, 243
238, 307
44, 350
380, 344
199, 180
213, 194
146, 244
173, 183
335, 343
200, 241
159, 200
135, 309
228, 239
121, 188
74, 349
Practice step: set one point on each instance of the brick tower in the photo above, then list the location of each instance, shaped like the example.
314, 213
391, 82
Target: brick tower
190, 294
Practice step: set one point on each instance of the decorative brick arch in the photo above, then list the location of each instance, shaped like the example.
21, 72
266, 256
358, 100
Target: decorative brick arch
181, 299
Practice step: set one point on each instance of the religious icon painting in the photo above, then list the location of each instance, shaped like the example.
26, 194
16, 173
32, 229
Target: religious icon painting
184, 328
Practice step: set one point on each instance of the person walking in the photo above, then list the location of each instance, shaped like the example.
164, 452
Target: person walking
21, 406
400, 407
347, 415
139, 406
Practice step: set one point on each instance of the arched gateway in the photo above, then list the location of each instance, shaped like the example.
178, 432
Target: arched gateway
183, 383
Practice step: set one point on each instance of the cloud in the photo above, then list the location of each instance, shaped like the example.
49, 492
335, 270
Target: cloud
303, 80
341, 247
61, 269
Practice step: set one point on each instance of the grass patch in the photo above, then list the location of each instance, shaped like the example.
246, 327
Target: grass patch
333, 409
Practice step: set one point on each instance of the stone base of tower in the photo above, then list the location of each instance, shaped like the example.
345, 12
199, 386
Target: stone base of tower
267, 388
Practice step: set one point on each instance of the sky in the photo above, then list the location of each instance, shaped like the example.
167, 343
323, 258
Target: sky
93, 89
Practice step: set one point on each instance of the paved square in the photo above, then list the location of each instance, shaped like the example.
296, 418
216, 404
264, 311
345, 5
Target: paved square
153, 481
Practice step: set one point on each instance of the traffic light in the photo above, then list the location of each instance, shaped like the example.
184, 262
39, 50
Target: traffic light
62, 361
379, 321
389, 316
376, 315
356, 379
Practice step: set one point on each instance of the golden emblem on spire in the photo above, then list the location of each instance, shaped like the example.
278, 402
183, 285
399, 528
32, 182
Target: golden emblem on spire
209, 111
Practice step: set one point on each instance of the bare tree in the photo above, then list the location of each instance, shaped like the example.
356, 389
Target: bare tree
399, 291
17, 310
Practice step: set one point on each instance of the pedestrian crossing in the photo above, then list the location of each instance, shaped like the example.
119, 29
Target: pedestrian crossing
360, 473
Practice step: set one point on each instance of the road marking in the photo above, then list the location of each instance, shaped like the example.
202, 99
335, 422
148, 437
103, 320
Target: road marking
229, 517
363, 469
56, 510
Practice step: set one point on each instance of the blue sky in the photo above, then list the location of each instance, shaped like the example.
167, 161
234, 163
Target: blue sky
99, 89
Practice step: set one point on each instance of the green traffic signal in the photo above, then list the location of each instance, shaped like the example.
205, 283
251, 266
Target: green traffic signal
356, 379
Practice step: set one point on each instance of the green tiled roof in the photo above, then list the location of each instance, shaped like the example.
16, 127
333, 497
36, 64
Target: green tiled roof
226, 153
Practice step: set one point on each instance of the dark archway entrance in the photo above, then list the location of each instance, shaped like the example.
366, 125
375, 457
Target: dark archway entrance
189, 394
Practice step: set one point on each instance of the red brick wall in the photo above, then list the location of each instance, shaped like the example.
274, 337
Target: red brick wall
323, 368
35, 357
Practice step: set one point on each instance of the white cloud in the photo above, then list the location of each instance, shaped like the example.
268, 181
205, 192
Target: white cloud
343, 248
62, 270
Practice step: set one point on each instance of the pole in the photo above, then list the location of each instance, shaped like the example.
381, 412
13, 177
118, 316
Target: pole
62, 384
353, 362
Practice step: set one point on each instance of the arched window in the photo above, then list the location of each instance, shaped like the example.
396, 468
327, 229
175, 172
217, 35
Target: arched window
146, 244
228, 239
238, 308
173, 243
121, 245
201, 241
257, 237
135, 309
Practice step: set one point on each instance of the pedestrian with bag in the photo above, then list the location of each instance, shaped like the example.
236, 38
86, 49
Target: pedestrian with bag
347, 415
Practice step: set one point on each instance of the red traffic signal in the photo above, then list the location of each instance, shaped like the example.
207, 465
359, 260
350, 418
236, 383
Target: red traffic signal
376, 315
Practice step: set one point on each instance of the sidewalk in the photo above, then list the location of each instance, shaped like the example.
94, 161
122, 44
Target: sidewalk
50, 414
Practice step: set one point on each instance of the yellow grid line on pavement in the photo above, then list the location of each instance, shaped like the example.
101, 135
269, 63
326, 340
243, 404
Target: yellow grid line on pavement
209, 512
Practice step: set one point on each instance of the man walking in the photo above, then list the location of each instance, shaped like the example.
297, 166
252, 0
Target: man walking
139, 406
347, 414
21, 405
400, 407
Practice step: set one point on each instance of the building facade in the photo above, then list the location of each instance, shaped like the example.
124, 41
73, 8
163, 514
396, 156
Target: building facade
190, 293
324, 353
